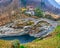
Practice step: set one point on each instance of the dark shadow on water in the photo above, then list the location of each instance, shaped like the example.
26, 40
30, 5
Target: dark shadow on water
22, 39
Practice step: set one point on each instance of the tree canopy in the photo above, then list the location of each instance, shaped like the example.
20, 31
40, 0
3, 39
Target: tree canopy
39, 12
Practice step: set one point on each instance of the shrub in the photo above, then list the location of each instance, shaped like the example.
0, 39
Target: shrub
16, 44
22, 46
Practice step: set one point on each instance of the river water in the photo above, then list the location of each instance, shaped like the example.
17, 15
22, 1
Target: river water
23, 39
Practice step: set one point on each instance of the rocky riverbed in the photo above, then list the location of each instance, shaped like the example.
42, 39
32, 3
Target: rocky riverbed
32, 29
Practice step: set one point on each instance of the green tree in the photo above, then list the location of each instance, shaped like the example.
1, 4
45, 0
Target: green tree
39, 12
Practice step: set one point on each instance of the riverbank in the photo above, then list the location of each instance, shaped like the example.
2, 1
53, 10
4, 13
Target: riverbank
52, 41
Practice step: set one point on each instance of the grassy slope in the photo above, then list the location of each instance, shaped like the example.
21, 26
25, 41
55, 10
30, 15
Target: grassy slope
50, 42
5, 44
